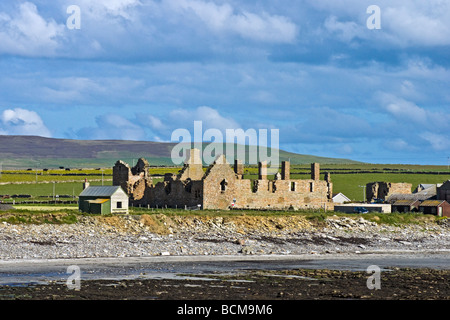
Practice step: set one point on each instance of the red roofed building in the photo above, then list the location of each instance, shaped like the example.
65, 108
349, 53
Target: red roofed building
436, 207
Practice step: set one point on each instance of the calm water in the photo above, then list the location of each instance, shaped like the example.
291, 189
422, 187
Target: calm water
176, 268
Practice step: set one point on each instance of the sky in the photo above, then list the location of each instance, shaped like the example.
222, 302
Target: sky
336, 78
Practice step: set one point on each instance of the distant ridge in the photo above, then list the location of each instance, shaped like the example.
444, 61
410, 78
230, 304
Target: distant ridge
40, 152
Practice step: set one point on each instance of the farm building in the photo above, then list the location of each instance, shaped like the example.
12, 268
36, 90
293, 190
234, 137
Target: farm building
103, 200
405, 206
424, 194
340, 198
436, 207
383, 190
443, 191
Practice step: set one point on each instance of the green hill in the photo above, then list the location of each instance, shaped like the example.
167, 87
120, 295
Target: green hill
37, 152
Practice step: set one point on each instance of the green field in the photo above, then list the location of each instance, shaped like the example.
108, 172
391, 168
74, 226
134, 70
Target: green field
349, 184
346, 178
46, 191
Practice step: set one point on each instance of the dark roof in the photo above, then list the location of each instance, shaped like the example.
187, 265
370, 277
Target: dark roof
432, 203
99, 191
6, 207
412, 196
427, 194
445, 185
405, 202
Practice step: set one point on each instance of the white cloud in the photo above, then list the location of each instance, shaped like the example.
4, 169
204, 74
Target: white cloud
155, 123
149, 127
438, 142
29, 30
112, 126
425, 23
346, 31
399, 144
224, 18
404, 23
114, 8
23, 122
28, 33
210, 118
407, 111
415, 127
162, 127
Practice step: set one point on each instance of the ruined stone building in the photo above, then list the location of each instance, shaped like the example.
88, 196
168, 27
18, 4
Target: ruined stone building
436, 191
221, 186
384, 190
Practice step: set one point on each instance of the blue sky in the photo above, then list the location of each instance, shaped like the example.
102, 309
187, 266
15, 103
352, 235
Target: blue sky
139, 69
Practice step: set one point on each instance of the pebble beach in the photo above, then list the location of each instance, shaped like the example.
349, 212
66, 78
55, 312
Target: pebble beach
148, 235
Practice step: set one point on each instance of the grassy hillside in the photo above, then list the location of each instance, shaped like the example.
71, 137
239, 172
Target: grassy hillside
38, 152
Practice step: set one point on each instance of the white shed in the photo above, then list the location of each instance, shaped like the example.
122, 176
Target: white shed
103, 199
340, 198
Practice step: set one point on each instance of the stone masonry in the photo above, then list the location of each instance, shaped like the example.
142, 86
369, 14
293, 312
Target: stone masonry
134, 181
382, 190
223, 187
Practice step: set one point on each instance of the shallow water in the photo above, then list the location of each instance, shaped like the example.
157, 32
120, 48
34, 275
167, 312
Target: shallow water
41, 272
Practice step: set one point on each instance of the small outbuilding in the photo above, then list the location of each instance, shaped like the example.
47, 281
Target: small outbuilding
103, 200
405, 206
436, 207
340, 198
443, 191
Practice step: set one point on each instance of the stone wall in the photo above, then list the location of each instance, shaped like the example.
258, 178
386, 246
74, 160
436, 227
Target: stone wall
175, 194
221, 185
134, 181
282, 194
382, 190
193, 167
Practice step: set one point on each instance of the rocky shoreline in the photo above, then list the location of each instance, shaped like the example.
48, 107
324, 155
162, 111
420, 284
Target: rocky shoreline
152, 235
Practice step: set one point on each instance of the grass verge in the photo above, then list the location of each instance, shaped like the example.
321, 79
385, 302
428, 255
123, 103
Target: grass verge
39, 217
61, 215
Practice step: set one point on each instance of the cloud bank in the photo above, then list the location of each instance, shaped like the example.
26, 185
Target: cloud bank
138, 69
22, 122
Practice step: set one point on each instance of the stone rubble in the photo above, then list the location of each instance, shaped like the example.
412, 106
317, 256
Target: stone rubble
151, 235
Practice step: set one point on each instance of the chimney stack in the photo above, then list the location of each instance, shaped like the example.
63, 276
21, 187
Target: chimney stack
262, 170
315, 171
285, 170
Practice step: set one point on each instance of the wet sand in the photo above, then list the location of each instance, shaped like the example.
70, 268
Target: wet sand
300, 284
328, 277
